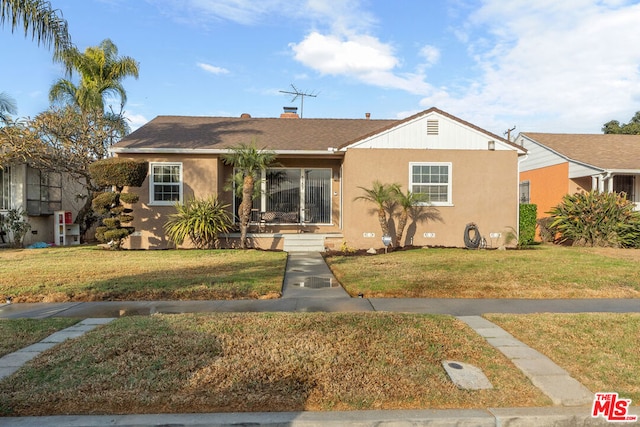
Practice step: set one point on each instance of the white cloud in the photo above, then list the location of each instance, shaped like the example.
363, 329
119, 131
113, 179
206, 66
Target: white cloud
431, 54
136, 120
557, 66
212, 68
362, 57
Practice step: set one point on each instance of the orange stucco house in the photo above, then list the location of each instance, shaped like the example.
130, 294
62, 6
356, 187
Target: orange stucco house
560, 164
308, 200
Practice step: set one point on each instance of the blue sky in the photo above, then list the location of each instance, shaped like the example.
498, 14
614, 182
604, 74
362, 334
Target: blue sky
543, 66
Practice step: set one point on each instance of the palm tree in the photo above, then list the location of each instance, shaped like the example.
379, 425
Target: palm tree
7, 107
384, 197
409, 202
249, 163
101, 72
46, 26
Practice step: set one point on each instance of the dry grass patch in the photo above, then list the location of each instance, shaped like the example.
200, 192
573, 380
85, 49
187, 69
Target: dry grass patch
599, 349
20, 333
263, 362
543, 272
92, 274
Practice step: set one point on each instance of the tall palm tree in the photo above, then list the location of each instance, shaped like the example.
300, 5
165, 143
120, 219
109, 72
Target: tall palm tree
384, 197
409, 203
7, 106
36, 16
101, 73
249, 163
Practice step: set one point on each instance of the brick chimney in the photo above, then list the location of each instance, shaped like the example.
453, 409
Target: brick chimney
367, 115
290, 113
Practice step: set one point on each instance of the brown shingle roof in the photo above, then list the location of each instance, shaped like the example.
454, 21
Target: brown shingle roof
604, 151
183, 132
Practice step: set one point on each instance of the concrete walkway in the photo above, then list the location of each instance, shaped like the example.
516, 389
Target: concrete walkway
310, 286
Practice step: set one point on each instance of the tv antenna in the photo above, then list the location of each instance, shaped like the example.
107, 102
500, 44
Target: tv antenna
297, 93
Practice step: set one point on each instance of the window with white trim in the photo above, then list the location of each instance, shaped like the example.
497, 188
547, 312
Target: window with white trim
525, 187
5, 188
433, 180
165, 183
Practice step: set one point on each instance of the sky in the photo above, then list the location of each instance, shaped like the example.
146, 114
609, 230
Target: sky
537, 66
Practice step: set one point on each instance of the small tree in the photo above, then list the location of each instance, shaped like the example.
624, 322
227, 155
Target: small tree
117, 173
597, 219
249, 162
410, 204
384, 197
200, 220
15, 221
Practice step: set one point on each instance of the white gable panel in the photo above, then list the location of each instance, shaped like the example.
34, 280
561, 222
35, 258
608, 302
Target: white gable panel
577, 170
538, 156
451, 135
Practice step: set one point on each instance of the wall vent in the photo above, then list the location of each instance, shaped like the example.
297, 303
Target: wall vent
432, 127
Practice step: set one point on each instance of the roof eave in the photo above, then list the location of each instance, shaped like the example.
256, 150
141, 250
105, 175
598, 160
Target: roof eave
127, 150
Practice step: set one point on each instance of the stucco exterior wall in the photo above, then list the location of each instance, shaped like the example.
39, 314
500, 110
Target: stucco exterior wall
547, 186
200, 174
484, 191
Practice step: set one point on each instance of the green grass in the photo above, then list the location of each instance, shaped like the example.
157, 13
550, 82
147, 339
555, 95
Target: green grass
20, 333
225, 362
543, 272
599, 350
90, 273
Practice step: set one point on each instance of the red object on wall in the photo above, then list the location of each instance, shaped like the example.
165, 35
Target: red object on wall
68, 219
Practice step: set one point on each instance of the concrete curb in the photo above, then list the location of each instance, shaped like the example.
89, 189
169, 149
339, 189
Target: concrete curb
516, 417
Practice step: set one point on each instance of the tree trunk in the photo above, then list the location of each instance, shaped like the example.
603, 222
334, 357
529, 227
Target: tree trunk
245, 209
402, 223
384, 225
86, 217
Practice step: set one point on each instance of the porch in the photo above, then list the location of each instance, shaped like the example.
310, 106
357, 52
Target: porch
618, 182
288, 241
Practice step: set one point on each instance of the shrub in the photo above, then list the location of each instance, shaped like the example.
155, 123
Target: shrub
547, 234
528, 214
16, 222
200, 220
119, 172
597, 219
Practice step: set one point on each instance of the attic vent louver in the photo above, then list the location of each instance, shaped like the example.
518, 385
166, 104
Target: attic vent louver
432, 127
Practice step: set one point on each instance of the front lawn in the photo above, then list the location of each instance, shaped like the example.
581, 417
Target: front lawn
19, 333
542, 272
227, 362
89, 273
599, 350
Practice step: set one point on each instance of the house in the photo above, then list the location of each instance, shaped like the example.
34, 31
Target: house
560, 164
309, 199
39, 195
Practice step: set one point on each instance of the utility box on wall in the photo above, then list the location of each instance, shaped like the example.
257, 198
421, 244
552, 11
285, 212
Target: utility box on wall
66, 233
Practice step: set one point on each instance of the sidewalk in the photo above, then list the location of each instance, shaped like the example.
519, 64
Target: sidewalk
310, 286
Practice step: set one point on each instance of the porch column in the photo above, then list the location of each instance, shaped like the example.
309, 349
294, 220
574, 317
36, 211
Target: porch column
601, 179
610, 184
594, 182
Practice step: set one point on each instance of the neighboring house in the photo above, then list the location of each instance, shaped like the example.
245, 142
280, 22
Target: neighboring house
39, 195
560, 164
471, 175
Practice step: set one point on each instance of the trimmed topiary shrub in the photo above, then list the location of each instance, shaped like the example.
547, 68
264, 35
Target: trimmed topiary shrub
119, 172
597, 219
528, 214
116, 173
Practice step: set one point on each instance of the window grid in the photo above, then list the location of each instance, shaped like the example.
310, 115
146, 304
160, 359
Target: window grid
432, 180
166, 183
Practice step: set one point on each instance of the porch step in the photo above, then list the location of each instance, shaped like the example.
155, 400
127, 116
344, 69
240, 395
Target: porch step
305, 242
